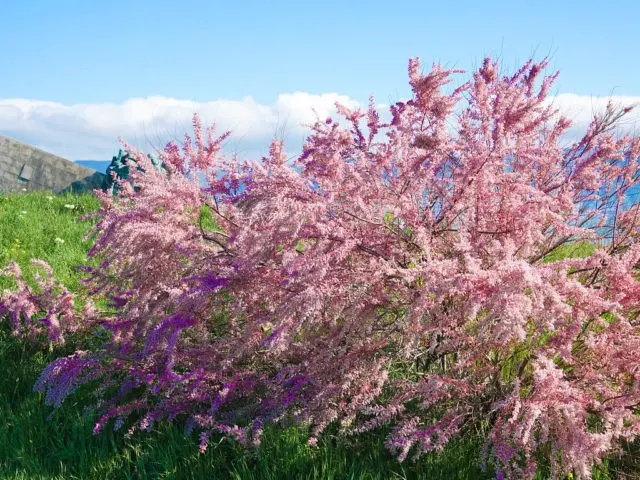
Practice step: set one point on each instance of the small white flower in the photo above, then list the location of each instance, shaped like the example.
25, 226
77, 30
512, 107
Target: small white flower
70, 206
24, 189
49, 197
24, 212
58, 240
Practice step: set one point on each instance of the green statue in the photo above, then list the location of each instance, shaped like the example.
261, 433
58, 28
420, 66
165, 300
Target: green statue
121, 169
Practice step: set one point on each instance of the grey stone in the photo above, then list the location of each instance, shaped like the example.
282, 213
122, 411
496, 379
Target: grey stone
25, 167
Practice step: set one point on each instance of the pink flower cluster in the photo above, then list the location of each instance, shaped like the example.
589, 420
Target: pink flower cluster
394, 274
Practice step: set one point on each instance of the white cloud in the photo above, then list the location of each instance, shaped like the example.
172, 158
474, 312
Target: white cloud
90, 131
580, 109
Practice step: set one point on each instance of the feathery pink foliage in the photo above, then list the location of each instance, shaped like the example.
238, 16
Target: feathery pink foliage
390, 276
50, 302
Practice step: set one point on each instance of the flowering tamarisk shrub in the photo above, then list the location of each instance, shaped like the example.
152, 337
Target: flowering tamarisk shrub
394, 274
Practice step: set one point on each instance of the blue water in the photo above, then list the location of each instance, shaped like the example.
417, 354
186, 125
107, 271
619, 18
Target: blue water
97, 165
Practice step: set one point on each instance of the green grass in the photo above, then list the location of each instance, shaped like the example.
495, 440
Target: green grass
33, 446
571, 250
38, 225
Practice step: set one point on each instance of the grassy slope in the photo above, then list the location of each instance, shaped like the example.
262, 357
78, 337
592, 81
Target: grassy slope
30, 225
33, 447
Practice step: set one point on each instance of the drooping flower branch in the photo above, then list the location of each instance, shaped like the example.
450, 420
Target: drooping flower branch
47, 309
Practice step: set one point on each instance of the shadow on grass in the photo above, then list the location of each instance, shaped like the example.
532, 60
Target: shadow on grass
33, 447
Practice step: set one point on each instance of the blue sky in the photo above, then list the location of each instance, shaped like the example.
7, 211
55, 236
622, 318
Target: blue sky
153, 61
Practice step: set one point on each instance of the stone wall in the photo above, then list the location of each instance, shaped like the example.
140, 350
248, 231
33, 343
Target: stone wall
25, 167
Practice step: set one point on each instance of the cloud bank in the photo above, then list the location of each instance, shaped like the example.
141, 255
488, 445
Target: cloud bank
90, 131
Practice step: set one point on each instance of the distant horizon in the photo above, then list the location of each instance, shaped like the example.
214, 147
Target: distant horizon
97, 165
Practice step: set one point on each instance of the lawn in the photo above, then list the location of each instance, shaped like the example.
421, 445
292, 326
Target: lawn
37, 443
